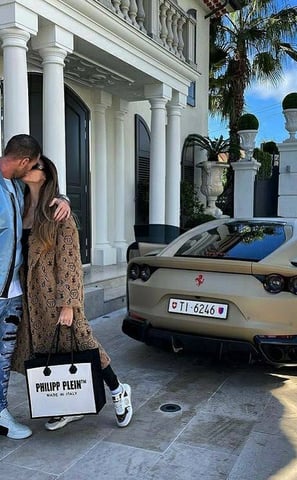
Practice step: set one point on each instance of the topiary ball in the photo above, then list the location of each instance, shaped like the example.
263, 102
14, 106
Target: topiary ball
248, 121
290, 101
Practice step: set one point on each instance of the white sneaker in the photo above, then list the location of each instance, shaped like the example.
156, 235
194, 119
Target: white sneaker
55, 423
11, 428
123, 406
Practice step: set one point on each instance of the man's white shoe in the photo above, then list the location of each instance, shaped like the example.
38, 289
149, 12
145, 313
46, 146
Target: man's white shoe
11, 428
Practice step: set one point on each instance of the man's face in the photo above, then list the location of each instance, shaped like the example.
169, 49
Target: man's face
24, 166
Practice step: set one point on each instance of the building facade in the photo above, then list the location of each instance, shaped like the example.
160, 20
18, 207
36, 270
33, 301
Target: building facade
110, 88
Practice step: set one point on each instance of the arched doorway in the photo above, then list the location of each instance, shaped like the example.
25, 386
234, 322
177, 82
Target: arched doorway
142, 171
77, 154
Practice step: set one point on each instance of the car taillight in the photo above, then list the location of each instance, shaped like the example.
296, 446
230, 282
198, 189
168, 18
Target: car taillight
145, 272
274, 283
139, 271
292, 285
134, 271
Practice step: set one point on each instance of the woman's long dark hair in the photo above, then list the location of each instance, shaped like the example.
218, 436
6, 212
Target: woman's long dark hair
45, 226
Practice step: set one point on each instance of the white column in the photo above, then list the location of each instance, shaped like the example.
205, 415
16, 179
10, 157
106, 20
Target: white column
53, 44
54, 109
103, 253
17, 23
244, 183
119, 180
173, 159
158, 95
16, 106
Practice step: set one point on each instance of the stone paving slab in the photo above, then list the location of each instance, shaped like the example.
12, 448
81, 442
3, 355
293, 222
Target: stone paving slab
236, 422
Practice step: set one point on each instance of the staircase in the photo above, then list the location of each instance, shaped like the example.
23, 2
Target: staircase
105, 289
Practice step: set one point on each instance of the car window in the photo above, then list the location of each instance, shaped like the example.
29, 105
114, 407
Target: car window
249, 241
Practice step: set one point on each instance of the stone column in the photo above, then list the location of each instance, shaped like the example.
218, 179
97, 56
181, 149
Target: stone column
53, 44
158, 95
173, 159
121, 107
16, 106
103, 253
15, 35
244, 182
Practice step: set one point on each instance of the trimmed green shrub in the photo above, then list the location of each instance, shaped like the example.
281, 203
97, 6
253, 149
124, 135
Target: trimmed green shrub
290, 101
192, 210
248, 121
270, 147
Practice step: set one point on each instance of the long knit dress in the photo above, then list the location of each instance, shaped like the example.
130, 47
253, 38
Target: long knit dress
51, 280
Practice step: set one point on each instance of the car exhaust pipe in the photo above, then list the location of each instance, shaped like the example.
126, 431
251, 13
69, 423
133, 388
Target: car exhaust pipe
292, 353
276, 354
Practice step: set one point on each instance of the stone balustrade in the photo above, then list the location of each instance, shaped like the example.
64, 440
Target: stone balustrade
162, 20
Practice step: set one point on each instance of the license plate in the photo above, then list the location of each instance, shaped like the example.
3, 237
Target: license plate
201, 309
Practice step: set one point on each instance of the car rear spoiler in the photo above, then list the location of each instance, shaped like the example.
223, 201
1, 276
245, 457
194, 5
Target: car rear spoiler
150, 239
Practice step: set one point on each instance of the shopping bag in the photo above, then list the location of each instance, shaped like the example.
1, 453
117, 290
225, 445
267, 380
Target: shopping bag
61, 384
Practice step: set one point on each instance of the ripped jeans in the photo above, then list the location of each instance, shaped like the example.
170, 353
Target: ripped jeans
10, 317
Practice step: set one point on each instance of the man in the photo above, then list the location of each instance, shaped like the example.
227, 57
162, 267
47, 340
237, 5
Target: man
21, 154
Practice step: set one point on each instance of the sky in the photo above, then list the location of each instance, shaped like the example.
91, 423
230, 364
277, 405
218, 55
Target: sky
265, 101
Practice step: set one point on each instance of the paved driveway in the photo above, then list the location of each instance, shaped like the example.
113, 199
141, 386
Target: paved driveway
236, 422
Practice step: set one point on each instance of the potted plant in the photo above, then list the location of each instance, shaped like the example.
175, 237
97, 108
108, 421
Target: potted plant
248, 125
289, 105
213, 147
212, 169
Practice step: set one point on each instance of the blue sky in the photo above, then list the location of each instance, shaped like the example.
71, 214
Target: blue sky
264, 100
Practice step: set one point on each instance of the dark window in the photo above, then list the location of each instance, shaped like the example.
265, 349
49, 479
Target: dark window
251, 241
191, 98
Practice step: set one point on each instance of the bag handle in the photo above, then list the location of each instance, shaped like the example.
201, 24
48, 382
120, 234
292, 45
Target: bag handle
55, 345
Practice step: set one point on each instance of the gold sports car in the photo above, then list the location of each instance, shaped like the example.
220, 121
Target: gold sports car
228, 283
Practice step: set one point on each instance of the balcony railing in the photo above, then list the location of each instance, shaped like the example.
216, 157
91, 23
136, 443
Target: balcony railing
162, 20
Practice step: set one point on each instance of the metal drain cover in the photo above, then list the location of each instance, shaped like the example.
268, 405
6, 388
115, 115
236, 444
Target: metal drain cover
170, 407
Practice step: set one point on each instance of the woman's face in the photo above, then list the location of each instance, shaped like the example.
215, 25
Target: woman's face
36, 175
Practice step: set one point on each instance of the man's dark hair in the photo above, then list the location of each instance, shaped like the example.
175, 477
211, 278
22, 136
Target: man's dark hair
22, 145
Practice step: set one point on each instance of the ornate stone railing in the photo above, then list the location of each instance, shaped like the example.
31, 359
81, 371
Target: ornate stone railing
162, 20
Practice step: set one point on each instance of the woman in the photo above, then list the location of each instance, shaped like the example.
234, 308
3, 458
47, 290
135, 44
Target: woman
52, 277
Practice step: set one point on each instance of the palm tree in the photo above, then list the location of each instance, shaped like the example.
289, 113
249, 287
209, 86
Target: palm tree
246, 45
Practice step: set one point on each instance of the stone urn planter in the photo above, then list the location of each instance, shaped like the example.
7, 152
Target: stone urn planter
212, 185
247, 130
212, 169
289, 105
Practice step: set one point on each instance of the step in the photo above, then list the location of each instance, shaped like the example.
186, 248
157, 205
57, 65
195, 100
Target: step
105, 290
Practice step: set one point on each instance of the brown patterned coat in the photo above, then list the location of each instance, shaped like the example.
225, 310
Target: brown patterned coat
54, 279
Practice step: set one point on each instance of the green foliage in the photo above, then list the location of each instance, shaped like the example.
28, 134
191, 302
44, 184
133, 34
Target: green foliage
290, 101
198, 220
264, 158
212, 147
248, 121
192, 210
270, 147
246, 45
